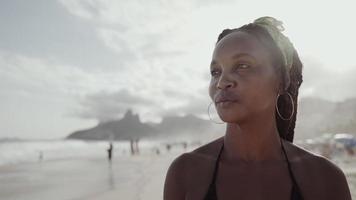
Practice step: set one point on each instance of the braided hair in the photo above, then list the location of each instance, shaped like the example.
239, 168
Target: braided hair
291, 80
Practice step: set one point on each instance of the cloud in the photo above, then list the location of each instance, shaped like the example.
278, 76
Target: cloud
37, 96
40, 76
141, 33
327, 83
196, 102
106, 106
45, 29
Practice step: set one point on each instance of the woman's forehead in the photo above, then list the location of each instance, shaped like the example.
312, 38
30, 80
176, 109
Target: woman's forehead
239, 43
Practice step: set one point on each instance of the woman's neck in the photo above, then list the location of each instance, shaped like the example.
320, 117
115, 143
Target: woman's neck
252, 142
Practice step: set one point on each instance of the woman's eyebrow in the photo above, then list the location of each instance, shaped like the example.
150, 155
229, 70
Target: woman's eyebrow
213, 63
235, 57
240, 55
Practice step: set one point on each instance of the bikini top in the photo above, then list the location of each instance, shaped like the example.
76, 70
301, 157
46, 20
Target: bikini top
211, 194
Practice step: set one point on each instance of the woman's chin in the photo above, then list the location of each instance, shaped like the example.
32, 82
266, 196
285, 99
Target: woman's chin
231, 114
230, 118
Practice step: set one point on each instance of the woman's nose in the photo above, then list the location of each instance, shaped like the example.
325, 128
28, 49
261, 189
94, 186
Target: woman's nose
224, 83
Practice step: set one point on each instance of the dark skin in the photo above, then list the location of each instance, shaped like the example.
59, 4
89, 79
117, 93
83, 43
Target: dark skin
244, 86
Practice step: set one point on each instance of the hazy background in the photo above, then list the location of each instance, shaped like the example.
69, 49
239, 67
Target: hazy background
69, 64
73, 68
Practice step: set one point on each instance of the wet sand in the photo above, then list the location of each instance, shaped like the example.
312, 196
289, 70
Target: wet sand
140, 177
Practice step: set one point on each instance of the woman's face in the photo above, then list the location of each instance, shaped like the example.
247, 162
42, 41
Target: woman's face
244, 83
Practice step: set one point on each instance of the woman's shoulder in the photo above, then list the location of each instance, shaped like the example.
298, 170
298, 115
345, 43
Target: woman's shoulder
302, 158
183, 169
316, 174
196, 161
202, 154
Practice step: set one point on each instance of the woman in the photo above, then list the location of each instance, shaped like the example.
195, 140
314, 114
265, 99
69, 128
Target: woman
255, 77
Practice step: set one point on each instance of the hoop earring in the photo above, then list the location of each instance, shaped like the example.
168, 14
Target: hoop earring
279, 114
210, 116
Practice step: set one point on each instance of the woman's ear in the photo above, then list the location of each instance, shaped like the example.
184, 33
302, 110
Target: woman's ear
283, 79
286, 82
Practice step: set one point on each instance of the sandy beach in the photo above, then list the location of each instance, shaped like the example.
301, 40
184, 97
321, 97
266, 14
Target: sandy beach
139, 177
131, 178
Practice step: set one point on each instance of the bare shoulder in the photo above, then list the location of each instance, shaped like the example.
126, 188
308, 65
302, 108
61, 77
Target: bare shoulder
184, 168
317, 175
303, 159
198, 157
202, 154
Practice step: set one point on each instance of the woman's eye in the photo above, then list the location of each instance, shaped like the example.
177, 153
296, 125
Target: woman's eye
214, 72
243, 66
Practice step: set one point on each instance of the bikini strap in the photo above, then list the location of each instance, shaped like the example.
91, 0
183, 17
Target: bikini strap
295, 188
216, 168
211, 194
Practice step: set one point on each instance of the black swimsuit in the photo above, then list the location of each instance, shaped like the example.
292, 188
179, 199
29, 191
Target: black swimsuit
211, 194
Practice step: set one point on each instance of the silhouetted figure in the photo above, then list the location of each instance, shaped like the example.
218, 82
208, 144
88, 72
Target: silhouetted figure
156, 150
134, 146
185, 145
168, 147
40, 156
110, 151
137, 149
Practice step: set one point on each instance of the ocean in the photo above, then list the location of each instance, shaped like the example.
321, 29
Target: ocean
32, 151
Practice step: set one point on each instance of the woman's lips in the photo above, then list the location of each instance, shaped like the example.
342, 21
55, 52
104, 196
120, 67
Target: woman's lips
222, 99
225, 103
226, 99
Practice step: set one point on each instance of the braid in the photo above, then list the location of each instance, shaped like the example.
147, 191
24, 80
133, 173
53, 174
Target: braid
286, 128
295, 78
224, 33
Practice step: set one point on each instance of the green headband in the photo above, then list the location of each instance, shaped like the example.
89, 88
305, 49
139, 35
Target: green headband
275, 27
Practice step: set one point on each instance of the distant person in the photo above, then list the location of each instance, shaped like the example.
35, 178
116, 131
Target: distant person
40, 156
185, 145
255, 78
109, 150
134, 146
132, 149
137, 149
157, 151
168, 147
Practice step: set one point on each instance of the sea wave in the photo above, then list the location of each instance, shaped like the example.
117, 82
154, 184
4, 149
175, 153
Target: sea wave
13, 152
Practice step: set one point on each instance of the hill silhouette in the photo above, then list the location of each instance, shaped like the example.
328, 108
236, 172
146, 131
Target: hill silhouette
130, 127
315, 117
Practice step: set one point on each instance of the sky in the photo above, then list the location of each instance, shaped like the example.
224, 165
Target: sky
66, 65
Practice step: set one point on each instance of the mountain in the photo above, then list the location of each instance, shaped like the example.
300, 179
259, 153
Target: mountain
130, 127
186, 124
314, 118
317, 116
